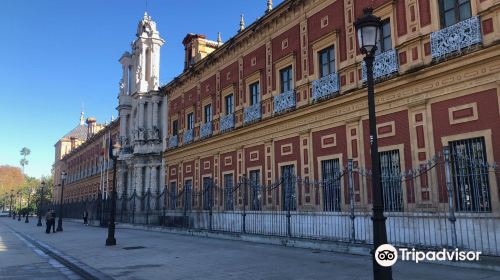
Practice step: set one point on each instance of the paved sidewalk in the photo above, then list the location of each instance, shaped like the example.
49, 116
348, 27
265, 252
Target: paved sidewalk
173, 256
18, 260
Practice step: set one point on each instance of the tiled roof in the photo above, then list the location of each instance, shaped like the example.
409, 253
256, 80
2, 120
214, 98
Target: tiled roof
79, 132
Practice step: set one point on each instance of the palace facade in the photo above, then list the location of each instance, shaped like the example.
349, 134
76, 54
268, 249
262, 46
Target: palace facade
287, 95
85, 158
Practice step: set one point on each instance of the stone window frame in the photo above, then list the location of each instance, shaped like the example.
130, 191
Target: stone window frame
326, 41
251, 79
280, 64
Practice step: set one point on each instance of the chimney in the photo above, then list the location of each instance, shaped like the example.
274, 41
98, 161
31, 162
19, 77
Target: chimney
196, 48
91, 127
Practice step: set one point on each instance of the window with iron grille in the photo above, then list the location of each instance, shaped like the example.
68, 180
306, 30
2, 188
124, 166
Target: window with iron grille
175, 128
229, 104
173, 195
190, 121
454, 11
286, 79
208, 113
188, 189
326, 58
469, 168
288, 187
385, 41
331, 173
208, 193
255, 190
254, 93
390, 168
228, 192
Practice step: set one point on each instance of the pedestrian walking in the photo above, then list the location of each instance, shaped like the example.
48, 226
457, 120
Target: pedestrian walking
54, 216
85, 217
48, 221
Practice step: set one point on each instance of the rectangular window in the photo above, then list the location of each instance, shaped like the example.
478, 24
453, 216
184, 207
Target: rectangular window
469, 168
331, 174
326, 58
208, 193
288, 187
391, 180
229, 104
175, 128
286, 79
188, 189
208, 113
173, 196
190, 121
228, 192
254, 93
454, 11
385, 41
255, 190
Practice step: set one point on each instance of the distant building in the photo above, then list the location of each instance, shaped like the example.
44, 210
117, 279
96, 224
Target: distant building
82, 154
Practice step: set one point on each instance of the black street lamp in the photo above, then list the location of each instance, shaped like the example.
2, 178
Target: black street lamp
28, 207
20, 205
368, 27
59, 222
11, 205
110, 241
40, 205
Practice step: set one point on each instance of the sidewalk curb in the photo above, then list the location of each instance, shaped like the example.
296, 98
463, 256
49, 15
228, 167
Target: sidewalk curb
487, 262
79, 268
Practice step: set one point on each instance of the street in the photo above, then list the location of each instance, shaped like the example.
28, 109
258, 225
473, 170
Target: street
142, 254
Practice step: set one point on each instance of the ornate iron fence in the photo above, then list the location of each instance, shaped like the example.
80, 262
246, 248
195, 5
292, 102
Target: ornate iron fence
440, 203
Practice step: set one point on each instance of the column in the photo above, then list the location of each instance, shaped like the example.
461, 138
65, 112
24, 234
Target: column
154, 187
138, 187
149, 116
147, 187
155, 114
140, 114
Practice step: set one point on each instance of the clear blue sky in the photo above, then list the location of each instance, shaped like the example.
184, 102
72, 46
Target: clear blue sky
57, 54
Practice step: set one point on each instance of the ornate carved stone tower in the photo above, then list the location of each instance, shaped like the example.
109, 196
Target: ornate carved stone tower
142, 114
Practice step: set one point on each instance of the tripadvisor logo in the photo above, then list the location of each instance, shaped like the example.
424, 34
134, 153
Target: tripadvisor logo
387, 255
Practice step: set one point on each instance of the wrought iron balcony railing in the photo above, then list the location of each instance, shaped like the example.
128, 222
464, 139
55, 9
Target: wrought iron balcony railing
455, 38
187, 137
227, 122
127, 150
326, 87
252, 113
173, 141
284, 102
385, 64
206, 130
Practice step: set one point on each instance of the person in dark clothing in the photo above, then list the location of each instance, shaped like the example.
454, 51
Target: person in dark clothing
53, 220
48, 221
85, 217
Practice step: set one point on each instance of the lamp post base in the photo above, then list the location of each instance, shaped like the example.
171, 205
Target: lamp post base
110, 241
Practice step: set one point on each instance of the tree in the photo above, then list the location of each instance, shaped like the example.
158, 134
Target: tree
47, 193
24, 152
11, 178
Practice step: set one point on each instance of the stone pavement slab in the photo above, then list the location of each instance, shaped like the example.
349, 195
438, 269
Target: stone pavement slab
141, 254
